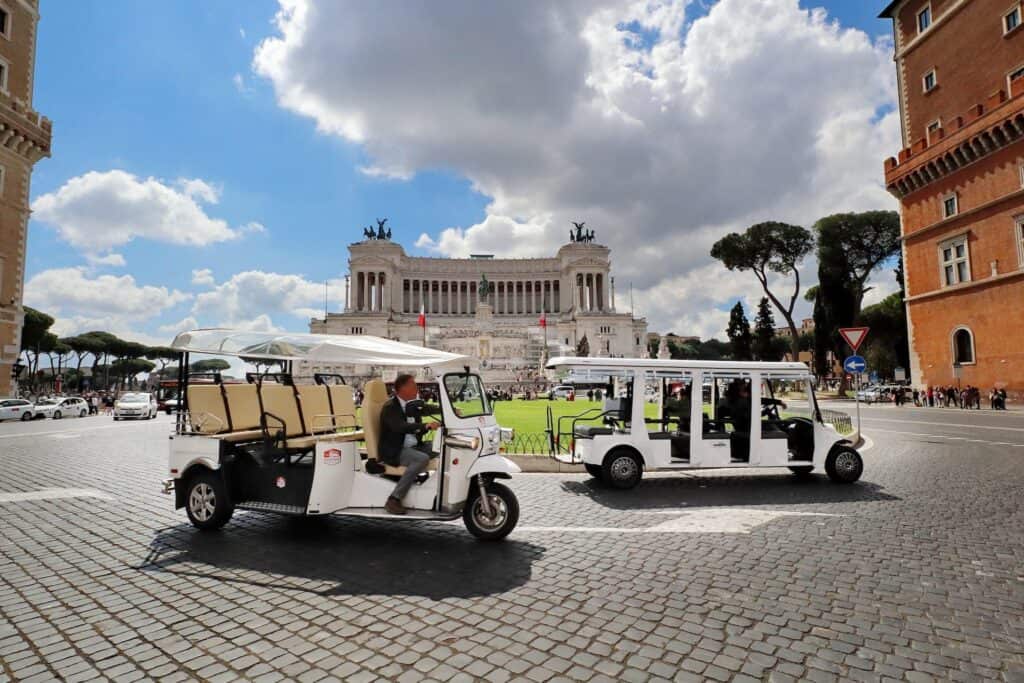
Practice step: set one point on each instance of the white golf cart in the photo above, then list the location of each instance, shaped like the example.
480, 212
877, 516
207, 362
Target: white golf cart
270, 445
704, 420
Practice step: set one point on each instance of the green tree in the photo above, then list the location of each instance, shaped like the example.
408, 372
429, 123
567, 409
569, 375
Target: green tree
125, 370
768, 248
764, 346
851, 246
34, 338
887, 346
102, 346
740, 339
209, 365
81, 346
164, 355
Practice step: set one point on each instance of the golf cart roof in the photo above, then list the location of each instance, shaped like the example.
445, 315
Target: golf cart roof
322, 348
616, 366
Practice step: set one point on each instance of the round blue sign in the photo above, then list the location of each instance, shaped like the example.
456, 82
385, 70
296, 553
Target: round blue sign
855, 364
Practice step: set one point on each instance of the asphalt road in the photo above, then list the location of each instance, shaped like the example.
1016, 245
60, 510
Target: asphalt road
914, 573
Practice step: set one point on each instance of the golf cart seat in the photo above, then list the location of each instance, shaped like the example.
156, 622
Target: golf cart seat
590, 431
375, 395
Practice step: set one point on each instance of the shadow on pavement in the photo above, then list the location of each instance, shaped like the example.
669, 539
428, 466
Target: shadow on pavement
693, 491
333, 556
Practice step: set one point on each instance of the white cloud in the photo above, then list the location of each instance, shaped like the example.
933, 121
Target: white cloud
107, 302
203, 277
250, 299
253, 227
101, 210
662, 142
176, 328
240, 85
111, 259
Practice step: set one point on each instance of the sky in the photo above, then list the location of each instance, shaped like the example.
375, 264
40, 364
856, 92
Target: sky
212, 161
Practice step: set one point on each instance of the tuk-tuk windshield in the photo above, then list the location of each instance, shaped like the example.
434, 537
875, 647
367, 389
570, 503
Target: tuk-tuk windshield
466, 393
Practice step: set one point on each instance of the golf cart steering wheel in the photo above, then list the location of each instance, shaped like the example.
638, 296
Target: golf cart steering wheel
771, 411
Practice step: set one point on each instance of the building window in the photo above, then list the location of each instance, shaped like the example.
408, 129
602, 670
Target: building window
1018, 230
963, 347
1022, 175
1011, 20
3, 180
955, 261
949, 206
1017, 72
932, 127
924, 19
929, 81
5, 22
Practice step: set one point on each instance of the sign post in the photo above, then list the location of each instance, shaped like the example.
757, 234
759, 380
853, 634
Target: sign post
854, 336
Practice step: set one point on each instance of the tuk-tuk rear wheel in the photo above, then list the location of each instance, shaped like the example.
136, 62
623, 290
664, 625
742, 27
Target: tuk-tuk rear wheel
504, 513
207, 502
622, 469
593, 470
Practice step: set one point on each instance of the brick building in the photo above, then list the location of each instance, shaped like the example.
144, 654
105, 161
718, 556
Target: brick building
24, 140
960, 183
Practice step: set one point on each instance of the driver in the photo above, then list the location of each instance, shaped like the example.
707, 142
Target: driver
400, 432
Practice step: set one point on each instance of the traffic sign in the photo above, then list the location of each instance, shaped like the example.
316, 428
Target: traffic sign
854, 336
855, 365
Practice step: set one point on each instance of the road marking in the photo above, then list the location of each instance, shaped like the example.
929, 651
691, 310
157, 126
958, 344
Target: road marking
29, 435
949, 438
944, 424
705, 521
52, 494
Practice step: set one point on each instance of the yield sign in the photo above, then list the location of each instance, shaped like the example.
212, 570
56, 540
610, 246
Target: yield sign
854, 336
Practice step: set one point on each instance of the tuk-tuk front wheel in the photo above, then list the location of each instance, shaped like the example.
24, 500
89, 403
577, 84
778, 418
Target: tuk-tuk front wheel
207, 501
622, 469
844, 465
503, 507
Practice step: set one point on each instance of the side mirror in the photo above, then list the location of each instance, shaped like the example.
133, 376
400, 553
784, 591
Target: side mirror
508, 434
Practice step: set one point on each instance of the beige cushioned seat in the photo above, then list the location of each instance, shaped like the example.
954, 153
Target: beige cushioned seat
316, 408
375, 395
244, 408
343, 403
206, 409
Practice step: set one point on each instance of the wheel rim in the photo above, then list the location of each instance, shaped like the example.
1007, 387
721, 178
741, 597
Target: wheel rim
202, 502
624, 469
847, 463
499, 513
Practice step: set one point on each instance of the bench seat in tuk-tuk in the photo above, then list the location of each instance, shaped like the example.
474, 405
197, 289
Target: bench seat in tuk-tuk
590, 431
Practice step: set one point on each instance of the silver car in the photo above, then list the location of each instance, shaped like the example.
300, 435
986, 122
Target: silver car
135, 405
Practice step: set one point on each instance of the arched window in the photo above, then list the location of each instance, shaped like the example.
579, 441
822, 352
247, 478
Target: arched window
963, 346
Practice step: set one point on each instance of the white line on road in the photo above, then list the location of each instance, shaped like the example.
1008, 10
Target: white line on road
949, 438
705, 521
28, 435
944, 424
52, 494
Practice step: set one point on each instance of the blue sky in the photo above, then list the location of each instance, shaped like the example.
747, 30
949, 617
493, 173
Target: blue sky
168, 91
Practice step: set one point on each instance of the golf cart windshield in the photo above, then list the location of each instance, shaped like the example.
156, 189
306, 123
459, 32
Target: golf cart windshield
466, 394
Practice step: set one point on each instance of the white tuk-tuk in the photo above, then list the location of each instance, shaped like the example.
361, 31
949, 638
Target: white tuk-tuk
704, 419
271, 445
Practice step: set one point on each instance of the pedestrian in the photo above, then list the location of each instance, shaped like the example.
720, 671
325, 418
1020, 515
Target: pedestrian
917, 398
930, 392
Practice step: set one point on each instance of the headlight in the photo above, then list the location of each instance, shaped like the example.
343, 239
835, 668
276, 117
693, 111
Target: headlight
508, 434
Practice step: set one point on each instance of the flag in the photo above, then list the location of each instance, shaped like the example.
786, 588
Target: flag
422, 321
543, 319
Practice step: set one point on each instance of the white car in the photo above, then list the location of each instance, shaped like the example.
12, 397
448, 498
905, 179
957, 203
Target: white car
561, 391
138, 405
16, 409
58, 408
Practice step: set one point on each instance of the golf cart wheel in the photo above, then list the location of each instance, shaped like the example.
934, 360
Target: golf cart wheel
844, 465
622, 469
207, 502
57, 415
25, 417
594, 470
503, 518
802, 472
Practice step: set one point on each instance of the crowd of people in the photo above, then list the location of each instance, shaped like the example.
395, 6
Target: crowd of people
965, 398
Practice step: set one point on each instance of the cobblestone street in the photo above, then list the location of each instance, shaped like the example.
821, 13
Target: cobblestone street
914, 573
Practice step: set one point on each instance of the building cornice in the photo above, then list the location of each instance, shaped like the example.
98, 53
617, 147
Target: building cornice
967, 286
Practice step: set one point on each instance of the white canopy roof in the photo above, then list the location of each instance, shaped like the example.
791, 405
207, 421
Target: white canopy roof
618, 364
323, 348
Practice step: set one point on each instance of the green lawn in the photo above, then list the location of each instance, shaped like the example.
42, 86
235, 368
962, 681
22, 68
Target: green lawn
531, 416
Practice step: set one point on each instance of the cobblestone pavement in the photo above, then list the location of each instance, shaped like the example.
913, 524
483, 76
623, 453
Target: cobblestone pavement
915, 573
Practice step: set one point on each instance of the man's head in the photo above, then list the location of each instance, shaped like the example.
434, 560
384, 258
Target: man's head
405, 387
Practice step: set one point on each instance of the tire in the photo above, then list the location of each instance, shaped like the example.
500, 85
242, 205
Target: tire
57, 415
83, 413
506, 516
844, 465
594, 471
116, 418
207, 501
802, 472
622, 469
167, 410
25, 417
152, 416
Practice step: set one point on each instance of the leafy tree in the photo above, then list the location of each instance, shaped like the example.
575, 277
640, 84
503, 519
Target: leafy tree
209, 365
764, 347
82, 346
164, 355
887, 346
34, 333
103, 345
769, 248
851, 246
583, 347
127, 369
740, 339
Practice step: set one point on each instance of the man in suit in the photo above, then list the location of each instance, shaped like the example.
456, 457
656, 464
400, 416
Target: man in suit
400, 432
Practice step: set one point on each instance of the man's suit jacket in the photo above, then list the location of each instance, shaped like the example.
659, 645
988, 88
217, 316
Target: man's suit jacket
394, 426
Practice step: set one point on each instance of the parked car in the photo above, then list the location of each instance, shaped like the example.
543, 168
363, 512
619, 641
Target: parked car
58, 408
137, 405
561, 391
171, 405
16, 409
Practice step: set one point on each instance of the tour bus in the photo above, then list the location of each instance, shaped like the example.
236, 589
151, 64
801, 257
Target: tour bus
704, 419
272, 445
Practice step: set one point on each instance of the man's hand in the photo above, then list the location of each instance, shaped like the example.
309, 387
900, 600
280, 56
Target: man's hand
431, 426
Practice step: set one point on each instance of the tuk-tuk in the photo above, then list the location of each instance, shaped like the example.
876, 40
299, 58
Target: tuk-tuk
272, 445
710, 414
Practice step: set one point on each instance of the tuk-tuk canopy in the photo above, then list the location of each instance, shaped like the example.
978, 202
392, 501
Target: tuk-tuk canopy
321, 348
665, 367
